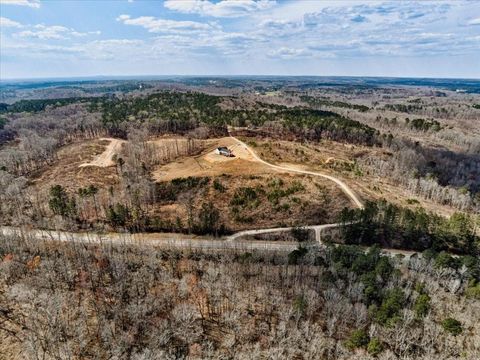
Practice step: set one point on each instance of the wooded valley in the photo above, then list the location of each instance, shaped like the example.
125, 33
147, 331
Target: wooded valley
119, 158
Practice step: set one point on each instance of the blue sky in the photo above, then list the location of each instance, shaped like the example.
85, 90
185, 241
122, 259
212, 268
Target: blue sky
349, 38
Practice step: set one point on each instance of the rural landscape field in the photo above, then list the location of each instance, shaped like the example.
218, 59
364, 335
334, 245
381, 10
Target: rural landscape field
237, 216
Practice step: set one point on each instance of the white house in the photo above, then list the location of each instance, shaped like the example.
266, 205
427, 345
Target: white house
222, 150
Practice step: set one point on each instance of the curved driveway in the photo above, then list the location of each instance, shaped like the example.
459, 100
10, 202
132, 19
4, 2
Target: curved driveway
317, 228
349, 192
232, 242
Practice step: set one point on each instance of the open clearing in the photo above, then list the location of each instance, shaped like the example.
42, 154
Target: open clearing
68, 172
105, 159
336, 159
210, 164
315, 201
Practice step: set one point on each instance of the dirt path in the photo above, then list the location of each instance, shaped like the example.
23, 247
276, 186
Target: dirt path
176, 241
148, 240
349, 192
318, 229
105, 159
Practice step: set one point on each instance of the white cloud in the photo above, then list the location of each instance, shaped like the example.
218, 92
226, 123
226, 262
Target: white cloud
474, 21
156, 25
29, 3
55, 32
288, 53
5, 22
93, 50
111, 49
33, 49
310, 32
224, 8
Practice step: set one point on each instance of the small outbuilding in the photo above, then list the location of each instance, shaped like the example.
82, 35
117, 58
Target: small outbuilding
222, 150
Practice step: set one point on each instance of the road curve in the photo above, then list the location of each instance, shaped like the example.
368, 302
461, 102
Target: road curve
349, 192
317, 228
149, 240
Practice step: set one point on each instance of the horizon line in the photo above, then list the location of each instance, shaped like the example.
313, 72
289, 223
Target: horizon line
107, 77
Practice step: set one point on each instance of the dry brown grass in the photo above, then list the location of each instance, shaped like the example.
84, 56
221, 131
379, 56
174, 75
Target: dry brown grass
337, 159
66, 171
106, 158
319, 201
210, 164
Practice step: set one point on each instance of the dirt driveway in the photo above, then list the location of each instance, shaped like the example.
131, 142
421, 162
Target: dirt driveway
105, 159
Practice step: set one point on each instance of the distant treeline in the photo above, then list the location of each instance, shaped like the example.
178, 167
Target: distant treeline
123, 88
179, 112
340, 104
424, 125
413, 108
406, 108
41, 104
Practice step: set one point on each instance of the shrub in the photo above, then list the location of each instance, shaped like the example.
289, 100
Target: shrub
374, 347
453, 326
277, 193
420, 288
296, 255
473, 292
389, 311
243, 196
429, 254
472, 264
444, 260
300, 304
358, 338
295, 187
276, 183
217, 185
300, 234
422, 305
243, 219
245, 257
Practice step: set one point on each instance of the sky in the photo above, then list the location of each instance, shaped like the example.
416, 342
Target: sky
41, 38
